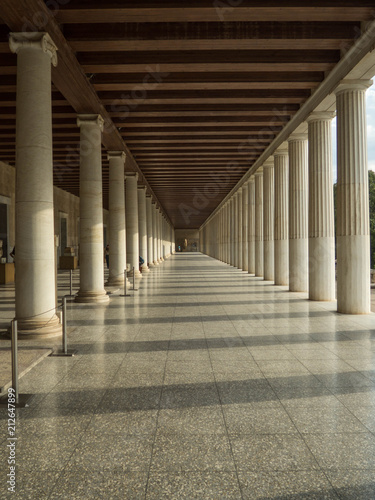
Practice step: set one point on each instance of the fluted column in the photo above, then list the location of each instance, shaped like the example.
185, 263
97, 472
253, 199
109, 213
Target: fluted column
35, 277
142, 225
117, 237
132, 229
281, 216
353, 230
150, 240
268, 219
298, 213
245, 227
251, 224
239, 229
259, 263
321, 218
160, 236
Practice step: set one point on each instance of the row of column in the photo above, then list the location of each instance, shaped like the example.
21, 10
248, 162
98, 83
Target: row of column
280, 225
136, 225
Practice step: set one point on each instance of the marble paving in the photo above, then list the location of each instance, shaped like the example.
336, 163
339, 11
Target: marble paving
206, 383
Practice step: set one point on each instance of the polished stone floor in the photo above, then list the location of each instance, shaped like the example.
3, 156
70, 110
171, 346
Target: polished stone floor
206, 383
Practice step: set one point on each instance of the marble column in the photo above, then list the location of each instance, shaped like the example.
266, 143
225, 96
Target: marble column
160, 236
155, 234
235, 227
353, 229
281, 216
91, 211
150, 246
268, 219
117, 237
231, 229
321, 215
132, 229
298, 213
35, 277
251, 224
239, 230
142, 225
259, 263
245, 224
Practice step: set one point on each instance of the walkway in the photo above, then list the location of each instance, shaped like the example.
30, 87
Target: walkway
205, 384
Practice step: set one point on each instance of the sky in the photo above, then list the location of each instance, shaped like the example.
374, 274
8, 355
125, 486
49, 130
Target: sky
370, 112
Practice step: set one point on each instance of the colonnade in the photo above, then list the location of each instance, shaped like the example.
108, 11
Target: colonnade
285, 225
137, 226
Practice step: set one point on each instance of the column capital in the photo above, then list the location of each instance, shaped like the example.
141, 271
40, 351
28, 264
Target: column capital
282, 150
116, 154
348, 85
148, 196
43, 41
269, 163
90, 120
251, 180
259, 171
319, 116
131, 174
141, 187
298, 137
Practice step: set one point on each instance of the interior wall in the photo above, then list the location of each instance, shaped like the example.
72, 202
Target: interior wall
187, 240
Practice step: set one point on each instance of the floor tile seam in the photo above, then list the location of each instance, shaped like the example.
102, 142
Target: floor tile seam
226, 428
157, 421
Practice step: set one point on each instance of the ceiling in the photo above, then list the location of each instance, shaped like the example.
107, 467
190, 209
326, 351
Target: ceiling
191, 87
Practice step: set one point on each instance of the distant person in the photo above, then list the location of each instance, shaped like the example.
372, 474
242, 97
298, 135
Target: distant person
106, 255
141, 262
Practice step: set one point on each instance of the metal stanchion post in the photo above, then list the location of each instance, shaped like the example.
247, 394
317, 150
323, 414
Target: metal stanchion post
71, 283
64, 351
15, 359
20, 400
126, 294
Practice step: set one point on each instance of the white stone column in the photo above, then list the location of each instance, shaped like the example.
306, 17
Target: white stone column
231, 231
321, 216
35, 277
155, 233
160, 236
268, 219
142, 224
251, 224
117, 237
239, 231
298, 213
150, 246
245, 224
132, 229
259, 263
353, 230
235, 227
281, 216
91, 211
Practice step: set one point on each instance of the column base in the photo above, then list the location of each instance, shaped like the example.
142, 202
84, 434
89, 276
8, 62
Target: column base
92, 297
151, 264
145, 269
39, 328
156, 263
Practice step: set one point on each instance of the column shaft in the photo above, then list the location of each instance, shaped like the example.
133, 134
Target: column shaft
353, 229
251, 224
321, 218
117, 250
245, 227
268, 220
259, 263
150, 246
35, 276
142, 224
298, 214
132, 229
281, 217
